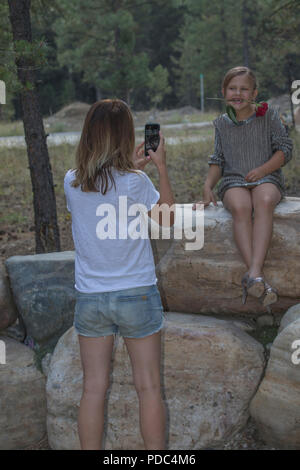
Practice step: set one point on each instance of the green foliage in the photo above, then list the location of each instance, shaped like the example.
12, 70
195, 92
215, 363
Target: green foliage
90, 49
30, 54
158, 84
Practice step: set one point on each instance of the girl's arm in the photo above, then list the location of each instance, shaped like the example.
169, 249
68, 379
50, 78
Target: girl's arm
216, 164
214, 174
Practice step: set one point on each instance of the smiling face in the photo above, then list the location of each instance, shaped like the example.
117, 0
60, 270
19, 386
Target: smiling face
239, 93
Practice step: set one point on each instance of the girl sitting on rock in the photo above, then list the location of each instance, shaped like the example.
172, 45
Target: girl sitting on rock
249, 153
115, 277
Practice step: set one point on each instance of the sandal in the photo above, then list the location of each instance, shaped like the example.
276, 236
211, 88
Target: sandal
270, 295
254, 286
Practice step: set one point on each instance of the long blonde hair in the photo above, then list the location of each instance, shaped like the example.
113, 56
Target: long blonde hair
107, 141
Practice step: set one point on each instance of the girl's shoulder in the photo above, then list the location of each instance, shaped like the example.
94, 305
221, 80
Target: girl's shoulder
220, 119
138, 177
70, 175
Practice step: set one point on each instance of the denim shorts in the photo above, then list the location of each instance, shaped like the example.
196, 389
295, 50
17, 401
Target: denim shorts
133, 313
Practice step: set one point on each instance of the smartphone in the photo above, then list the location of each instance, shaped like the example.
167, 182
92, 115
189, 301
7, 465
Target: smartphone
151, 137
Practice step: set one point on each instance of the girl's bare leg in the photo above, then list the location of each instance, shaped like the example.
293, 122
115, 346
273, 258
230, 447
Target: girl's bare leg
238, 201
145, 356
265, 197
96, 360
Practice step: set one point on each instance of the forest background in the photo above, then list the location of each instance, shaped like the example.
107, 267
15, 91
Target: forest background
151, 53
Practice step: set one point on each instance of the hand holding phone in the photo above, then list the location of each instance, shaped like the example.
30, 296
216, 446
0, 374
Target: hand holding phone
159, 156
151, 137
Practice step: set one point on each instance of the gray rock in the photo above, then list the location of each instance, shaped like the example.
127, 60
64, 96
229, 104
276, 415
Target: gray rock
211, 370
46, 363
43, 288
15, 331
22, 398
276, 405
291, 315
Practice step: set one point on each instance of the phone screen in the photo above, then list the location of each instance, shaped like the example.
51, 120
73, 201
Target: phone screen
151, 137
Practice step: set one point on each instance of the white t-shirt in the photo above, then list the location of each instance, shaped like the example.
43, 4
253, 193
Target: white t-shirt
112, 247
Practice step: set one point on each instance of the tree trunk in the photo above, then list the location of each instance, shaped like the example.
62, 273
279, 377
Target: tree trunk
45, 217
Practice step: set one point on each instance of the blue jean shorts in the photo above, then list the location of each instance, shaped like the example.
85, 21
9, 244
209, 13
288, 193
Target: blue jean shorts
133, 313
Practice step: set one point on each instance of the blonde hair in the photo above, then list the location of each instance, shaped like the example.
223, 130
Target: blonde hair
107, 141
234, 72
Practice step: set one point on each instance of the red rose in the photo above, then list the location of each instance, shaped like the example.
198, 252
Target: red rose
261, 109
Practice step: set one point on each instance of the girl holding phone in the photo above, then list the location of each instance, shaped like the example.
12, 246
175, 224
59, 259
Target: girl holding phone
115, 278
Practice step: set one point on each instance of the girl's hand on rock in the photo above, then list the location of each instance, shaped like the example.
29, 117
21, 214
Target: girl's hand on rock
208, 197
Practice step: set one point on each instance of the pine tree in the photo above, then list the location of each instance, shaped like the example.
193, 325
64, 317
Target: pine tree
28, 56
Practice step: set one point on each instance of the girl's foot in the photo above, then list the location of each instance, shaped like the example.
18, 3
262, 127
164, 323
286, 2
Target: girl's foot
270, 295
256, 286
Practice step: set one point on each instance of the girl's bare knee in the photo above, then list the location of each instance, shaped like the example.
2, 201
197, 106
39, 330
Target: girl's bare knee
97, 387
143, 388
266, 202
241, 211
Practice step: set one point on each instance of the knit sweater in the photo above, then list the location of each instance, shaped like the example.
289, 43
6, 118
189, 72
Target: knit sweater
248, 145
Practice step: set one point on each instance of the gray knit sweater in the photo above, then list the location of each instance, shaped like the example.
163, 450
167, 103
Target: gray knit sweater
241, 148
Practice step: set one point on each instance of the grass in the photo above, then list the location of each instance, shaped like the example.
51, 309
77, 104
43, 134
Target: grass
8, 129
15, 128
177, 117
185, 132
265, 335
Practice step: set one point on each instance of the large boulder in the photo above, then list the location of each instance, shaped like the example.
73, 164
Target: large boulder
22, 398
211, 370
43, 289
276, 405
210, 278
8, 310
291, 315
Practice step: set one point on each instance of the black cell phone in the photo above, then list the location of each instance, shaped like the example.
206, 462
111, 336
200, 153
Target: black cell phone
151, 137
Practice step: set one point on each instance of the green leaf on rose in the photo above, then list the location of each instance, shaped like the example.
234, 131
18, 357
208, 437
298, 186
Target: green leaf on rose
232, 114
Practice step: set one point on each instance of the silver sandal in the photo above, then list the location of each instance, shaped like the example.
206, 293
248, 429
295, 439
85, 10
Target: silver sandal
254, 286
270, 295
